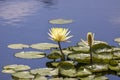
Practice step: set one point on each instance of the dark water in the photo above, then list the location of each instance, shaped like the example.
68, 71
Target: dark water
26, 21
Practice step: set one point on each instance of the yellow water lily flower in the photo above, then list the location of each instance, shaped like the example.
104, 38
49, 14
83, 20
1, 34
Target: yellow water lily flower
59, 34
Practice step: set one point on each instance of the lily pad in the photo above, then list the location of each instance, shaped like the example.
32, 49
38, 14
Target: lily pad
22, 75
44, 46
54, 56
10, 71
100, 78
80, 57
16, 67
81, 49
82, 72
61, 21
39, 77
18, 46
45, 71
67, 69
52, 64
56, 79
117, 40
97, 67
30, 55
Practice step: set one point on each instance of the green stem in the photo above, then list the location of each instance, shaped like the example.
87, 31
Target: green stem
63, 56
91, 55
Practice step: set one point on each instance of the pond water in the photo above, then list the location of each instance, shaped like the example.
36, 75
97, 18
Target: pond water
27, 21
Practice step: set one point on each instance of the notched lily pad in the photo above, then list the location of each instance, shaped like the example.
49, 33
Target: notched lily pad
44, 46
97, 67
80, 57
54, 56
82, 72
117, 40
67, 69
30, 55
45, 71
61, 21
18, 46
22, 75
16, 67
10, 71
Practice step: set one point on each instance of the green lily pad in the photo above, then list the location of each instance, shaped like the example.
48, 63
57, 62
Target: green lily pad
10, 71
18, 46
80, 49
54, 56
22, 75
67, 69
103, 57
30, 55
116, 55
52, 64
114, 68
44, 46
97, 67
61, 21
100, 78
84, 43
82, 72
90, 77
56, 79
100, 46
39, 77
80, 57
16, 67
117, 40
45, 71
70, 79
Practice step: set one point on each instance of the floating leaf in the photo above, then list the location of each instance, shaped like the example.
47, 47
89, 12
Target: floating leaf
52, 64
81, 72
39, 77
67, 69
16, 67
30, 55
103, 57
97, 67
100, 78
54, 56
90, 77
18, 46
117, 40
80, 57
56, 79
10, 71
22, 75
116, 55
45, 71
114, 68
61, 21
80, 49
44, 46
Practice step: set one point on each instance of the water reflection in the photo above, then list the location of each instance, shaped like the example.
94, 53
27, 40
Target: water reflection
12, 12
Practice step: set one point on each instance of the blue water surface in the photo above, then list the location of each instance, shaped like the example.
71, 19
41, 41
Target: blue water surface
27, 22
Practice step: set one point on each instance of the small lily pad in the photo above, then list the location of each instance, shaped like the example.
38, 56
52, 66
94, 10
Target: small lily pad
80, 57
67, 69
16, 67
39, 77
52, 64
82, 72
30, 55
54, 56
10, 71
97, 67
117, 40
22, 75
44, 46
18, 46
61, 21
45, 71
